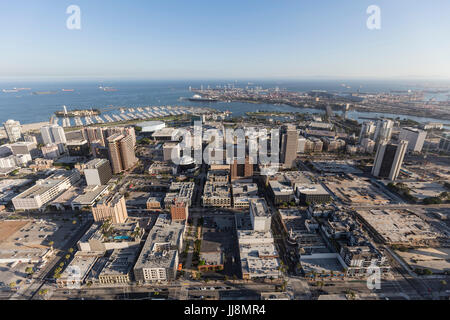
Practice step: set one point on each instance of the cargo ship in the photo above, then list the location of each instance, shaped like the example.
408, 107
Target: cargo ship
199, 98
68, 90
44, 92
107, 89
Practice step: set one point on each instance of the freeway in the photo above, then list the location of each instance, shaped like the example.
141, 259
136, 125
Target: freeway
171, 291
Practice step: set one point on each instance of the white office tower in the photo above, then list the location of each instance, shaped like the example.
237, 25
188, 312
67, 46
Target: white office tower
13, 130
415, 138
54, 134
389, 159
367, 130
98, 172
383, 131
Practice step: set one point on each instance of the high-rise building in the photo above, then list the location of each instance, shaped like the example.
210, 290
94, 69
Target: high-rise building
97, 172
54, 134
114, 153
241, 170
415, 138
111, 207
44, 191
78, 148
389, 159
121, 152
13, 130
95, 135
289, 145
383, 131
127, 145
367, 130
179, 211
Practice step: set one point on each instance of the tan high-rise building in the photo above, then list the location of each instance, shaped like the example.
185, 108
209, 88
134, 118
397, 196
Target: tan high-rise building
121, 152
127, 145
111, 207
289, 145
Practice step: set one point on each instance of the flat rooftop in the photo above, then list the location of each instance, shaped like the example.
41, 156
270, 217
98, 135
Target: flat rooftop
259, 208
121, 261
400, 226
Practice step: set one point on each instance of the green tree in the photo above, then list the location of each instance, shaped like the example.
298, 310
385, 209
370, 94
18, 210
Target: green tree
43, 292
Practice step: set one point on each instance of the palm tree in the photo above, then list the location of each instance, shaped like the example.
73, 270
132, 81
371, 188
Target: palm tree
443, 284
43, 292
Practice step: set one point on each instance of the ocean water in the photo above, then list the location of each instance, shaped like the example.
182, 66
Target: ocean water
29, 108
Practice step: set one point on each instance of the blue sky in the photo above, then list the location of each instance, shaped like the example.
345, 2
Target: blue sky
190, 39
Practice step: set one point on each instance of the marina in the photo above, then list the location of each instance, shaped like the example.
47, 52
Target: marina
125, 114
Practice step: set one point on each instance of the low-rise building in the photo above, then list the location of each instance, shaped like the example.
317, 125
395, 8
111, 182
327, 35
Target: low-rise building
242, 192
44, 191
78, 269
259, 258
40, 164
50, 151
281, 192
217, 194
118, 268
90, 196
153, 203
101, 237
179, 192
159, 167
158, 260
312, 193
